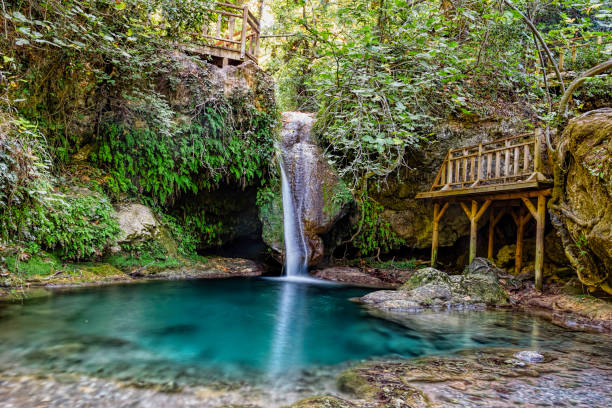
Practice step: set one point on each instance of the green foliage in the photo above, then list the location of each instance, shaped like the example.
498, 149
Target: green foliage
40, 264
79, 226
145, 259
164, 159
373, 233
393, 264
186, 239
32, 210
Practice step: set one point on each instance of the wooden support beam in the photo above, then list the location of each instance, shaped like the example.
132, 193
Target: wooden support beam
530, 206
520, 231
491, 233
482, 209
473, 230
539, 255
434, 235
493, 220
466, 209
438, 213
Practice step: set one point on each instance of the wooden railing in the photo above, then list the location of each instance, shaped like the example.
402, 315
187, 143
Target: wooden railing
573, 44
510, 160
236, 30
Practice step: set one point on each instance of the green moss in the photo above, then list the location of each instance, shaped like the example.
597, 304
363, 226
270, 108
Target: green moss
322, 402
41, 264
352, 382
425, 276
128, 263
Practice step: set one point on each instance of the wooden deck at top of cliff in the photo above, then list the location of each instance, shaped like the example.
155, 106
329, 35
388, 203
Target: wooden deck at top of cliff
501, 176
232, 38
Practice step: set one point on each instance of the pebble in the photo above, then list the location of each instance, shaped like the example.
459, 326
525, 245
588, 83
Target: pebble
529, 356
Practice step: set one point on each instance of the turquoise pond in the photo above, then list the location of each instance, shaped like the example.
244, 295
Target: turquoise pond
238, 329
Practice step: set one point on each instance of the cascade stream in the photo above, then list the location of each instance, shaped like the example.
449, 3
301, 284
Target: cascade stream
297, 158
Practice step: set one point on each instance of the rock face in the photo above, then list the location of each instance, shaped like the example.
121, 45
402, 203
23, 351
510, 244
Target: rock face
138, 223
319, 195
430, 288
581, 207
364, 277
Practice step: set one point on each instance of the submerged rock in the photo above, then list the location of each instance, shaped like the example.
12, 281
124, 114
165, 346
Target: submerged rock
323, 402
529, 356
429, 288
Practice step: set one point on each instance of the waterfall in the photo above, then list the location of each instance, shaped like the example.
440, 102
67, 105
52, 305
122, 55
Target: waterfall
296, 261
296, 178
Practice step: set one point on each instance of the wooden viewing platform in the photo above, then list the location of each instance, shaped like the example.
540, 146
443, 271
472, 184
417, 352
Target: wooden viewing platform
232, 39
502, 176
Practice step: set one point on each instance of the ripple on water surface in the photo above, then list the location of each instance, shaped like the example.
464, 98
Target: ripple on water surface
248, 330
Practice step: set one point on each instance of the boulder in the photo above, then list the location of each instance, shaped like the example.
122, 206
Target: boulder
424, 276
138, 223
353, 276
429, 288
581, 205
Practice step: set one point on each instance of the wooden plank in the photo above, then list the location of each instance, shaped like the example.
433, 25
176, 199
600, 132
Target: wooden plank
457, 168
516, 160
525, 159
487, 189
489, 165
465, 166
497, 164
506, 160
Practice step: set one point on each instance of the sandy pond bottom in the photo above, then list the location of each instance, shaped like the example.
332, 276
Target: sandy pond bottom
268, 343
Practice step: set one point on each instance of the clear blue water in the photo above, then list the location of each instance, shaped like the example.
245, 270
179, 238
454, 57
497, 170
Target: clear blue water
239, 329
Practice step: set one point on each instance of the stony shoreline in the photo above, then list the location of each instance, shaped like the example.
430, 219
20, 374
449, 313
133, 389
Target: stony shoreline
501, 377
104, 274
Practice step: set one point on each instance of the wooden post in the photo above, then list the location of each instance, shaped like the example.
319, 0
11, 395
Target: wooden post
520, 230
245, 23
491, 233
474, 215
473, 227
218, 31
539, 256
434, 236
438, 213
561, 58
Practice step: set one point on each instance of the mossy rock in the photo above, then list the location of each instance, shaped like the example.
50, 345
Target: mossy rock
353, 383
483, 289
322, 402
424, 276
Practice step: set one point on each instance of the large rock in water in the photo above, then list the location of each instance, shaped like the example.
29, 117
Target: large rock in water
318, 193
430, 288
581, 207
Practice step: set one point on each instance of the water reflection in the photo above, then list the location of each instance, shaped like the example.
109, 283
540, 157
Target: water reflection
286, 350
